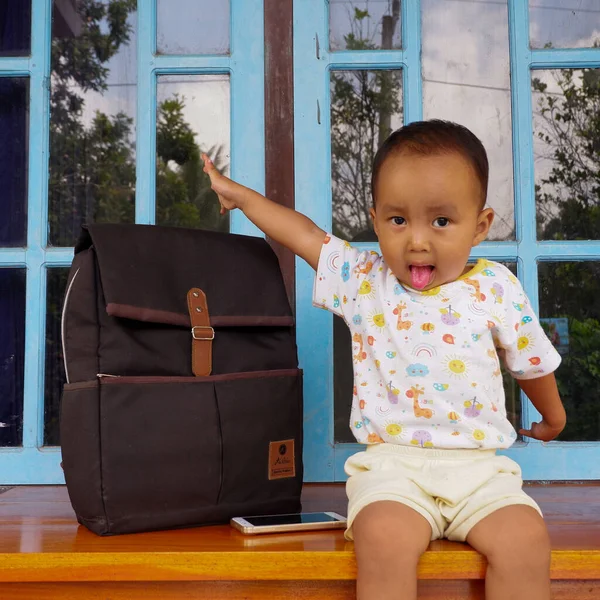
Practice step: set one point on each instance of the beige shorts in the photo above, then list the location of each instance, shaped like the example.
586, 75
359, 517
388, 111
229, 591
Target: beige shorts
452, 489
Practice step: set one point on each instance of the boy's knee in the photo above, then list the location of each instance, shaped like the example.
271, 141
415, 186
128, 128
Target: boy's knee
390, 530
526, 550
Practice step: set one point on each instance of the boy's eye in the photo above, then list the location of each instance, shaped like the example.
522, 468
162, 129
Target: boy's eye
398, 220
441, 222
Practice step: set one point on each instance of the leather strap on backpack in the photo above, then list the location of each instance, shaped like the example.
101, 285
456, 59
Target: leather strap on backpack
202, 333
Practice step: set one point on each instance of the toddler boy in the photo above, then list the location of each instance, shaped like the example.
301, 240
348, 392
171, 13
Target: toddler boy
428, 333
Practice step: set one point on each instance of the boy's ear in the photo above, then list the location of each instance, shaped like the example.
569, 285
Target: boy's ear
372, 213
484, 222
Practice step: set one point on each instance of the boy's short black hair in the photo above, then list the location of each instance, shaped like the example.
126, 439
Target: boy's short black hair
433, 137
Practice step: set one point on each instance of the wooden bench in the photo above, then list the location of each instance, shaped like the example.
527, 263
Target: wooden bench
45, 554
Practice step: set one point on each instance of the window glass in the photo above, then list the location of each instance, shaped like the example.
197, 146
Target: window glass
570, 314
12, 351
192, 26
466, 79
364, 25
193, 117
564, 24
14, 117
566, 113
54, 372
92, 117
15, 27
366, 106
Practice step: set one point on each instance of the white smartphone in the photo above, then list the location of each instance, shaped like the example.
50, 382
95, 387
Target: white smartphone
290, 522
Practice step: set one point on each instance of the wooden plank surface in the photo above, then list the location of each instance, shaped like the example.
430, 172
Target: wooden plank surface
42, 542
238, 590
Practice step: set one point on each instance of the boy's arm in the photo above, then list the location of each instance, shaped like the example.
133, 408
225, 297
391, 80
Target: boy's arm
543, 394
283, 225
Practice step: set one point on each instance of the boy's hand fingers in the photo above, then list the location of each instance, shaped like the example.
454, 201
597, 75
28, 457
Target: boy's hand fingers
534, 432
224, 210
218, 183
540, 431
208, 164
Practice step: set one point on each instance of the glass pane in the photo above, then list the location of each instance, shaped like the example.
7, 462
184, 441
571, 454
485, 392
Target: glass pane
343, 382
193, 117
366, 106
15, 27
364, 24
54, 376
192, 27
12, 352
564, 24
566, 113
570, 313
466, 79
92, 116
14, 118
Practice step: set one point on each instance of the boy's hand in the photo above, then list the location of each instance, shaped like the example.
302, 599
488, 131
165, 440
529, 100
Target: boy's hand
542, 431
228, 191
280, 223
543, 393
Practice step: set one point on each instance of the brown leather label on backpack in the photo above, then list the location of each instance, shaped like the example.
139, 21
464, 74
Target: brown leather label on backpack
282, 461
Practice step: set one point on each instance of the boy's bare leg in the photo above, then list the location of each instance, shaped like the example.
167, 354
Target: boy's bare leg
389, 539
515, 541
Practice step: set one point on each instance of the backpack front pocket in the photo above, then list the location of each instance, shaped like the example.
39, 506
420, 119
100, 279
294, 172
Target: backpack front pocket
161, 452
184, 451
261, 425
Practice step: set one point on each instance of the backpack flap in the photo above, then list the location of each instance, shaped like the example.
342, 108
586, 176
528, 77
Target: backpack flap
144, 278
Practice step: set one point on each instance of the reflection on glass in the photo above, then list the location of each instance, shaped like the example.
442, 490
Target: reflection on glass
12, 351
366, 106
466, 79
564, 24
566, 113
193, 117
192, 27
343, 383
14, 117
15, 27
54, 374
92, 116
570, 314
364, 24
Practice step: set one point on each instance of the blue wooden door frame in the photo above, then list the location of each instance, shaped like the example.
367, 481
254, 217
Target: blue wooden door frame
33, 463
324, 458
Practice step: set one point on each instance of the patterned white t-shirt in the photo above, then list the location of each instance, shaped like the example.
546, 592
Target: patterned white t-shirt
426, 364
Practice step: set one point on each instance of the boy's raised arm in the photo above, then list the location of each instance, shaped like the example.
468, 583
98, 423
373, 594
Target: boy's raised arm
284, 225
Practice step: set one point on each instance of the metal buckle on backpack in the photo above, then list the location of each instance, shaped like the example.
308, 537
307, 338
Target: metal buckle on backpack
200, 337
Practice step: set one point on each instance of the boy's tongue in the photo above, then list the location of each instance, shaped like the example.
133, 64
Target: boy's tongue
420, 276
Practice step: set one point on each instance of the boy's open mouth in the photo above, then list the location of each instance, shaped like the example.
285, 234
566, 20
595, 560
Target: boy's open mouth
421, 276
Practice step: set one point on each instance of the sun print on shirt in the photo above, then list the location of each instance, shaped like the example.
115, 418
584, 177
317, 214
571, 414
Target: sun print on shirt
456, 367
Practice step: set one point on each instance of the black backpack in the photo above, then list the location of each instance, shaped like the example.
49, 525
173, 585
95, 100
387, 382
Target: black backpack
183, 401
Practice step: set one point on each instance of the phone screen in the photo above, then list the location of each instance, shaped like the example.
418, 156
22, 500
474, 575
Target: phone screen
291, 519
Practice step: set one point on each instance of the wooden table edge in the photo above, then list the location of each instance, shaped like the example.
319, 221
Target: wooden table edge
255, 566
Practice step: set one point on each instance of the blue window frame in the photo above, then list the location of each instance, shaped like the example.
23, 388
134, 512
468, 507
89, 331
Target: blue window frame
313, 62
33, 462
